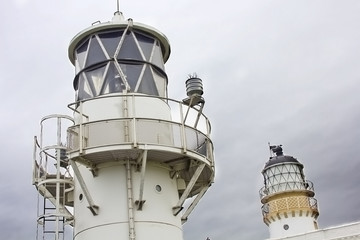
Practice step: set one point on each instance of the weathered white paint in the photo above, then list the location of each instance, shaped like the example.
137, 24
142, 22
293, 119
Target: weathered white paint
109, 192
297, 224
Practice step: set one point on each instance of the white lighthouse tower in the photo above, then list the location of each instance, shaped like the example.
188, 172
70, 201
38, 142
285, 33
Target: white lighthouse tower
288, 204
130, 156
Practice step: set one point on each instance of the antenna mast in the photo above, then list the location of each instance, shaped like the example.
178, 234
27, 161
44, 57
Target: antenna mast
118, 5
270, 149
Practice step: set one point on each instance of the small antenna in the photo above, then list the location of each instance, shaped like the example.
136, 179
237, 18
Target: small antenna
270, 149
118, 17
118, 5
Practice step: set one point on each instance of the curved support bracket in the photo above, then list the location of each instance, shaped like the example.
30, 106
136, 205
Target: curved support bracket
194, 203
184, 196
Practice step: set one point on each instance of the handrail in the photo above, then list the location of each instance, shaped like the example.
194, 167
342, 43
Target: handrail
34, 162
202, 146
73, 106
56, 116
286, 186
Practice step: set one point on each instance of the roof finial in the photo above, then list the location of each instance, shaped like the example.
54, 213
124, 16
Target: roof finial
118, 17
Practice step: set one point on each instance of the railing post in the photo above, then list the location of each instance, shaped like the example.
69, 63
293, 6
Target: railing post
81, 129
183, 140
34, 163
134, 133
134, 137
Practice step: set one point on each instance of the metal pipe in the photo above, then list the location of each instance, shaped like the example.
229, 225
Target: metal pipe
140, 201
81, 129
93, 208
130, 201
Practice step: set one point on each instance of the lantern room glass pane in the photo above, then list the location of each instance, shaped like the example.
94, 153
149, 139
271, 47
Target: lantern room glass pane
84, 88
95, 53
111, 40
160, 82
146, 44
157, 57
81, 53
132, 73
113, 82
147, 84
129, 49
95, 78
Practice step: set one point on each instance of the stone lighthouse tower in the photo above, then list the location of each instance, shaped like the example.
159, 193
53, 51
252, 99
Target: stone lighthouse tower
287, 197
124, 164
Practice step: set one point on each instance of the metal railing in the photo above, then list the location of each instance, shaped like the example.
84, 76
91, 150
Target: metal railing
188, 129
180, 111
286, 186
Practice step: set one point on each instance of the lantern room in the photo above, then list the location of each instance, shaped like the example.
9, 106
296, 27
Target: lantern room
283, 173
119, 57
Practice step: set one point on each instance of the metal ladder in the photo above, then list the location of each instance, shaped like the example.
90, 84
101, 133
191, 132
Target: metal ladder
53, 227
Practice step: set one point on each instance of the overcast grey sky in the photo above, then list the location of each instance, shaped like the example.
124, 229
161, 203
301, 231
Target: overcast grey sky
279, 71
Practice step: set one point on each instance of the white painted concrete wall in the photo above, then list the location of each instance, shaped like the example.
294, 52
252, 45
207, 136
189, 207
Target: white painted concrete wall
342, 232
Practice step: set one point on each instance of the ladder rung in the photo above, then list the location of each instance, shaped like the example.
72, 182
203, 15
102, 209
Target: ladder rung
50, 208
52, 220
53, 232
